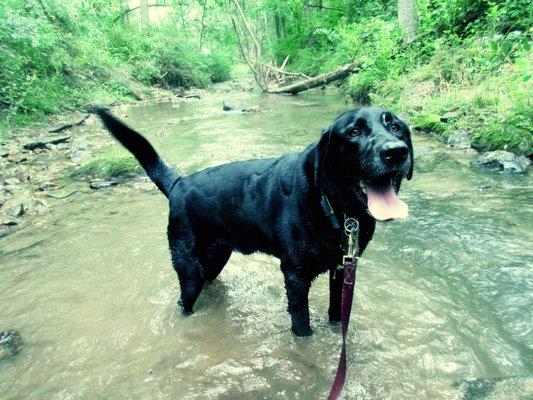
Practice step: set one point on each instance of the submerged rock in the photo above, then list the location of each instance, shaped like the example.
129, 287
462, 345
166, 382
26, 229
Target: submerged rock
49, 186
12, 181
101, 184
10, 343
251, 109
8, 225
229, 107
4, 231
41, 207
459, 139
497, 388
21, 202
502, 160
15, 210
238, 107
8, 222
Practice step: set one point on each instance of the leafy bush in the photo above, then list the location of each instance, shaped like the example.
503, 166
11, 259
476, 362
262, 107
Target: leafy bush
58, 54
219, 67
473, 56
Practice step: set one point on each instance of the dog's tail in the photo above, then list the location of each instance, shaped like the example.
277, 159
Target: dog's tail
160, 173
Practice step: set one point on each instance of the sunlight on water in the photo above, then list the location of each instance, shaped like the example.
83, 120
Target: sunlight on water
442, 298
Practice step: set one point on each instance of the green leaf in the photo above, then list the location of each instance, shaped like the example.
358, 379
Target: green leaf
506, 46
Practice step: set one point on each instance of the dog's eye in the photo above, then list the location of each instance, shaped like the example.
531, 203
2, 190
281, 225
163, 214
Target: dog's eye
355, 132
395, 128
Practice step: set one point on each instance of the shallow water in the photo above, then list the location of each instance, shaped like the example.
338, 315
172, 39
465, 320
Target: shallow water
442, 297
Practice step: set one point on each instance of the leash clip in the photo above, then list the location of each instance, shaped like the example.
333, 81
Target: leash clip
351, 229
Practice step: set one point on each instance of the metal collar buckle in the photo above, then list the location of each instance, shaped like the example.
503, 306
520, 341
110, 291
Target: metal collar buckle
350, 258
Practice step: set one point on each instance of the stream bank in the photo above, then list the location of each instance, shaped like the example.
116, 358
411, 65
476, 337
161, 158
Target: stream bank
56, 161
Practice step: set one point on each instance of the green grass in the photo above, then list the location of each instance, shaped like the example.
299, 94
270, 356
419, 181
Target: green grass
112, 163
493, 98
58, 55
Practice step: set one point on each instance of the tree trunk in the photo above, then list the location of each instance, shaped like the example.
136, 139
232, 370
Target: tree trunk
203, 25
277, 22
319, 80
408, 19
145, 14
308, 22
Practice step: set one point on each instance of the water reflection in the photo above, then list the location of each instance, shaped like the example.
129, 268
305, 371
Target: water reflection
443, 298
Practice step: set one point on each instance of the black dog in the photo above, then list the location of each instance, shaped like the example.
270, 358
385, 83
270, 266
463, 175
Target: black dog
291, 207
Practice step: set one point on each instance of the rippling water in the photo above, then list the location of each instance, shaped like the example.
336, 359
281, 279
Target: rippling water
443, 306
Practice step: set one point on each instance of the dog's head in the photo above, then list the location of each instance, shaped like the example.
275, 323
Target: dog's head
369, 148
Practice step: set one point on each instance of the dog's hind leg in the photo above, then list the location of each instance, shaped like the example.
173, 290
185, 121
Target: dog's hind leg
216, 259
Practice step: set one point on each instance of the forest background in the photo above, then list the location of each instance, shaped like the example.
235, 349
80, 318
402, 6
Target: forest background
468, 59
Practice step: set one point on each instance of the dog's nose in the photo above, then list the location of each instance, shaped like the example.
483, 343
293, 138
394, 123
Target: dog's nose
394, 153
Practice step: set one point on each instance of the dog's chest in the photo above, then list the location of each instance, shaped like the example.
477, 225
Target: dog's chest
317, 253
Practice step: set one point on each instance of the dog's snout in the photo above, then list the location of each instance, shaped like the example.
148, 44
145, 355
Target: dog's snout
394, 153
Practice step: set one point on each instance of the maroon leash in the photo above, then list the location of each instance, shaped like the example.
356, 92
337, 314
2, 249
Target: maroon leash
348, 288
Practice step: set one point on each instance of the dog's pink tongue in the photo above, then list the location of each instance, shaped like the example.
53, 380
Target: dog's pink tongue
383, 203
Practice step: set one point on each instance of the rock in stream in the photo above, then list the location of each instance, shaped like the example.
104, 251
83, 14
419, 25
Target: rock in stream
10, 343
502, 160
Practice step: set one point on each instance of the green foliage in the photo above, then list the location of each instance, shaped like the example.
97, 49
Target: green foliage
58, 54
165, 56
109, 167
472, 56
428, 123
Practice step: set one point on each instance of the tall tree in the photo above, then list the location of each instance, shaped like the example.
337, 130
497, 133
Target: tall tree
202, 24
408, 19
145, 14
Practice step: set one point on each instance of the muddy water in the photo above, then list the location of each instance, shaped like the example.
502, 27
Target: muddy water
442, 297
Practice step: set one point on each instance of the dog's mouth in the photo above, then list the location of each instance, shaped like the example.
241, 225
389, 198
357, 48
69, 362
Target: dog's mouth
381, 199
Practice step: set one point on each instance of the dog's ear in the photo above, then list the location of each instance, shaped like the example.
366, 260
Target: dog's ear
324, 141
322, 149
410, 146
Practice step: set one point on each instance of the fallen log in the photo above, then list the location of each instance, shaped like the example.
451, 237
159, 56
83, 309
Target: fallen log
319, 80
63, 127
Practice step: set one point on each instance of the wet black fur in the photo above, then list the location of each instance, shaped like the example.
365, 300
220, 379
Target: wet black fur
273, 205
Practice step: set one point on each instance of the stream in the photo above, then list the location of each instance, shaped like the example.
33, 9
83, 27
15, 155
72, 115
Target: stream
443, 306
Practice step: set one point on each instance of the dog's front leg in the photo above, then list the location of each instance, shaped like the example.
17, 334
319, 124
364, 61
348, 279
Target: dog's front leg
297, 293
335, 294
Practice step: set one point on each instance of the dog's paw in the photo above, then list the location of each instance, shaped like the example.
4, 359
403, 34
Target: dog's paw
302, 331
185, 310
334, 317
